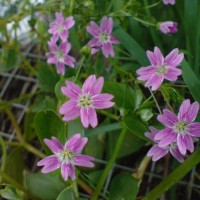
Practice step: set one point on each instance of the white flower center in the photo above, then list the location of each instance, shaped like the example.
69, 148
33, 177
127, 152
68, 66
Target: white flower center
104, 37
181, 128
65, 155
61, 29
60, 55
161, 69
85, 101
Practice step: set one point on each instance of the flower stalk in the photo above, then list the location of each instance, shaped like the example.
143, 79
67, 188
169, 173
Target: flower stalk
109, 165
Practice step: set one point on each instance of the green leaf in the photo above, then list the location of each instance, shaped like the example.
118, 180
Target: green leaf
67, 193
130, 144
131, 46
75, 126
43, 102
15, 164
137, 100
146, 114
48, 124
29, 131
11, 193
47, 77
192, 35
103, 129
123, 94
43, 186
60, 96
9, 60
136, 126
95, 146
191, 80
124, 186
174, 177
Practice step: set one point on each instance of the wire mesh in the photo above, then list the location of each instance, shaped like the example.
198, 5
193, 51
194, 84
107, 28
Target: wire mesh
29, 84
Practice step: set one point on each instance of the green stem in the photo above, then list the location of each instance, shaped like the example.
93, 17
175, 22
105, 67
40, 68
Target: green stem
154, 98
152, 31
152, 5
15, 124
175, 176
112, 116
71, 7
33, 150
84, 186
138, 19
75, 189
79, 69
166, 99
4, 156
142, 168
109, 165
28, 147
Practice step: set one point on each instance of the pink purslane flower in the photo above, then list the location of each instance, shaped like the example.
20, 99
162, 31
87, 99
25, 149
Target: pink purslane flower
83, 102
60, 27
58, 55
180, 129
172, 2
161, 68
66, 157
157, 152
103, 39
168, 27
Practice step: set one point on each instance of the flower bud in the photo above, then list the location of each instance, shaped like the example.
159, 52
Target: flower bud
86, 51
168, 27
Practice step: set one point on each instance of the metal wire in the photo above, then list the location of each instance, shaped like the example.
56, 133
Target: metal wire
152, 174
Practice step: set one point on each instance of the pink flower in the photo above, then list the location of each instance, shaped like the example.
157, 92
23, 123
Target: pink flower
180, 129
83, 102
157, 152
66, 157
168, 27
103, 39
172, 2
59, 55
60, 27
161, 68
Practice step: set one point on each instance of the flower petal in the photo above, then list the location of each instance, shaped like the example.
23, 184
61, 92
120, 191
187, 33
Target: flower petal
54, 145
167, 118
177, 154
172, 74
157, 152
93, 121
194, 129
60, 68
72, 90
64, 171
71, 171
159, 56
76, 143
84, 117
155, 81
183, 110
89, 84
70, 110
51, 166
83, 160
185, 142
161, 135
102, 101
47, 160
93, 29
69, 22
